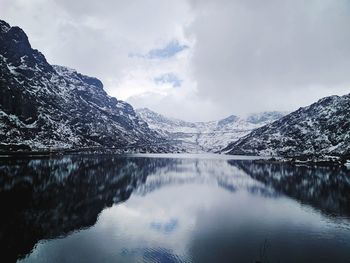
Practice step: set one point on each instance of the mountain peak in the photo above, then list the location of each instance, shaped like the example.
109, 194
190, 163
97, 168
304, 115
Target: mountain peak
4, 27
17, 51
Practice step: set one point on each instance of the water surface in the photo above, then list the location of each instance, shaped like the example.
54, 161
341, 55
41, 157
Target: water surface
166, 208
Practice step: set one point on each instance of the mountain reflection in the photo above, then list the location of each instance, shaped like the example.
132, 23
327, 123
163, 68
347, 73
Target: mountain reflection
50, 198
217, 172
325, 188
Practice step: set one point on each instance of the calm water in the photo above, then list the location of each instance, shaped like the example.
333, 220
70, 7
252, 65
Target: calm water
176, 209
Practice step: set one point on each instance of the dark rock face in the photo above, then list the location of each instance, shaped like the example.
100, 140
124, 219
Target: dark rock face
44, 106
321, 128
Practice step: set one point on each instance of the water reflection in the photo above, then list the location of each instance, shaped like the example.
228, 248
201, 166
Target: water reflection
48, 198
324, 188
169, 210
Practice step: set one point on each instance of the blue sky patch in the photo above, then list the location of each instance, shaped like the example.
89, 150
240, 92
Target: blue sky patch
170, 78
170, 50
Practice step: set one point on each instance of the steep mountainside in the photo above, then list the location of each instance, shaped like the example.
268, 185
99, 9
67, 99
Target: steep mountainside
321, 128
206, 136
44, 106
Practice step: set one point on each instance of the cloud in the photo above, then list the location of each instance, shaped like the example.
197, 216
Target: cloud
255, 55
229, 56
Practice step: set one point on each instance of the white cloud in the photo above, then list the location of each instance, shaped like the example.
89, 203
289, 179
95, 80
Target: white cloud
242, 56
256, 55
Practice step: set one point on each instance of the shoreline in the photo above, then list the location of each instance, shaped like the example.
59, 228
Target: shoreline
326, 161
309, 160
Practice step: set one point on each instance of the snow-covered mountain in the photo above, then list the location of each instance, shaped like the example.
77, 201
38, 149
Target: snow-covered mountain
321, 128
44, 106
206, 136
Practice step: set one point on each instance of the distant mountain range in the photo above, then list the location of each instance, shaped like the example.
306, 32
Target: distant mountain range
53, 107
209, 136
321, 128
47, 107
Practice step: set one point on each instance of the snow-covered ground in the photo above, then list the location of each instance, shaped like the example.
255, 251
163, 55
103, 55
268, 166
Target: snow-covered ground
209, 136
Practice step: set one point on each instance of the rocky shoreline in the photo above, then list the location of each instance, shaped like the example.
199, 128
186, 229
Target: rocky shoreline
322, 160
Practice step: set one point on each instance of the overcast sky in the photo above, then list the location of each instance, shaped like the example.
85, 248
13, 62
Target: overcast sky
197, 59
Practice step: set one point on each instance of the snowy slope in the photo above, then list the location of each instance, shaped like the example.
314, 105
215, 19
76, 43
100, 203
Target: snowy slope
44, 106
206, 136
321, 128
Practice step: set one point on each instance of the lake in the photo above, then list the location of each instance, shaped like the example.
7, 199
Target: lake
172, 208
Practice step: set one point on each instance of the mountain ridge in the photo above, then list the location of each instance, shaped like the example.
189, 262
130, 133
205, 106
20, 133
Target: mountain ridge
320, 128
208, 136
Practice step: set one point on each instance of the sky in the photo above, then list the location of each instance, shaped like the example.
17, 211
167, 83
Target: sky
197, 60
